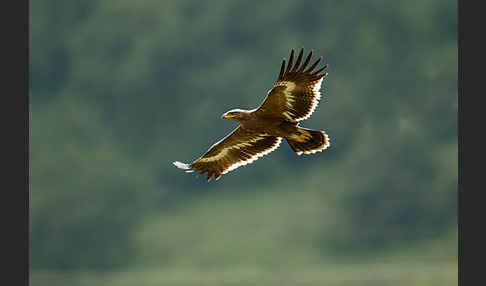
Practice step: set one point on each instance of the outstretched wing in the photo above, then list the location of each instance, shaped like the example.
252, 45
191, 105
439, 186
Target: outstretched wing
296, 93
239, 148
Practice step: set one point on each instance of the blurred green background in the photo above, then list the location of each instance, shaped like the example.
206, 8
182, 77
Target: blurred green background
120, 89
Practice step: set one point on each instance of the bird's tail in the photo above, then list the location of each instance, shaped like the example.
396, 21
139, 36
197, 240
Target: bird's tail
308, 141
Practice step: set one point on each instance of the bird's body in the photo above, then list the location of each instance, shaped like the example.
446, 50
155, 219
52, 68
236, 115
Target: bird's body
293, 98
251, 120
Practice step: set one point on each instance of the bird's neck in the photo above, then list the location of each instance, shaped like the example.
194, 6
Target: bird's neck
244, 116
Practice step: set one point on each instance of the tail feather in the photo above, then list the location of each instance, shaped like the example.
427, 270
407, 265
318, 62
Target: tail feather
316, 143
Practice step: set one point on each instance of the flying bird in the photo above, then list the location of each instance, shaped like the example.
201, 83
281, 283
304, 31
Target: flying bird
293, 98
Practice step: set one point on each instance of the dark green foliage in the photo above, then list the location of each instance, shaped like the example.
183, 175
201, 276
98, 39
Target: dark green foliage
120, 89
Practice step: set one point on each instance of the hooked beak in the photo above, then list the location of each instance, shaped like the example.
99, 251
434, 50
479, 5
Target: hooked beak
227, 116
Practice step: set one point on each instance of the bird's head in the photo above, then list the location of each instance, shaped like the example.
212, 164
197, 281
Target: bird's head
234, 114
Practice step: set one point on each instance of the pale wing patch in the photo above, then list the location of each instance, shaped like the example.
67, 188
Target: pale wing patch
254, 157
296, 93
236, 146
241, 147
289, 87
315, 101
289, 97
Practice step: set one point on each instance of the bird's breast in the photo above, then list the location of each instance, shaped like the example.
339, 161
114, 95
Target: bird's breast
261, 124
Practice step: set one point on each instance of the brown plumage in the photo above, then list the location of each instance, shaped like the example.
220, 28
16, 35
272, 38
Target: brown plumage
293, 98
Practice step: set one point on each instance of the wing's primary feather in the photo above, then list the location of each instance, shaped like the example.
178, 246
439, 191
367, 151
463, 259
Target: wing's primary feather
239, 148
296, 94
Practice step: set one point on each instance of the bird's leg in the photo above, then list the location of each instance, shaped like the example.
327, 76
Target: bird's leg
304, 136
301, 135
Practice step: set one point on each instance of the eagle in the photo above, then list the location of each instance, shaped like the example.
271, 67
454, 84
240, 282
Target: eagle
293, 98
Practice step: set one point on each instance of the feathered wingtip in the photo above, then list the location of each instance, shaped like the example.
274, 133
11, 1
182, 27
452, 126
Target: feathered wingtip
286, 69
183, 166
